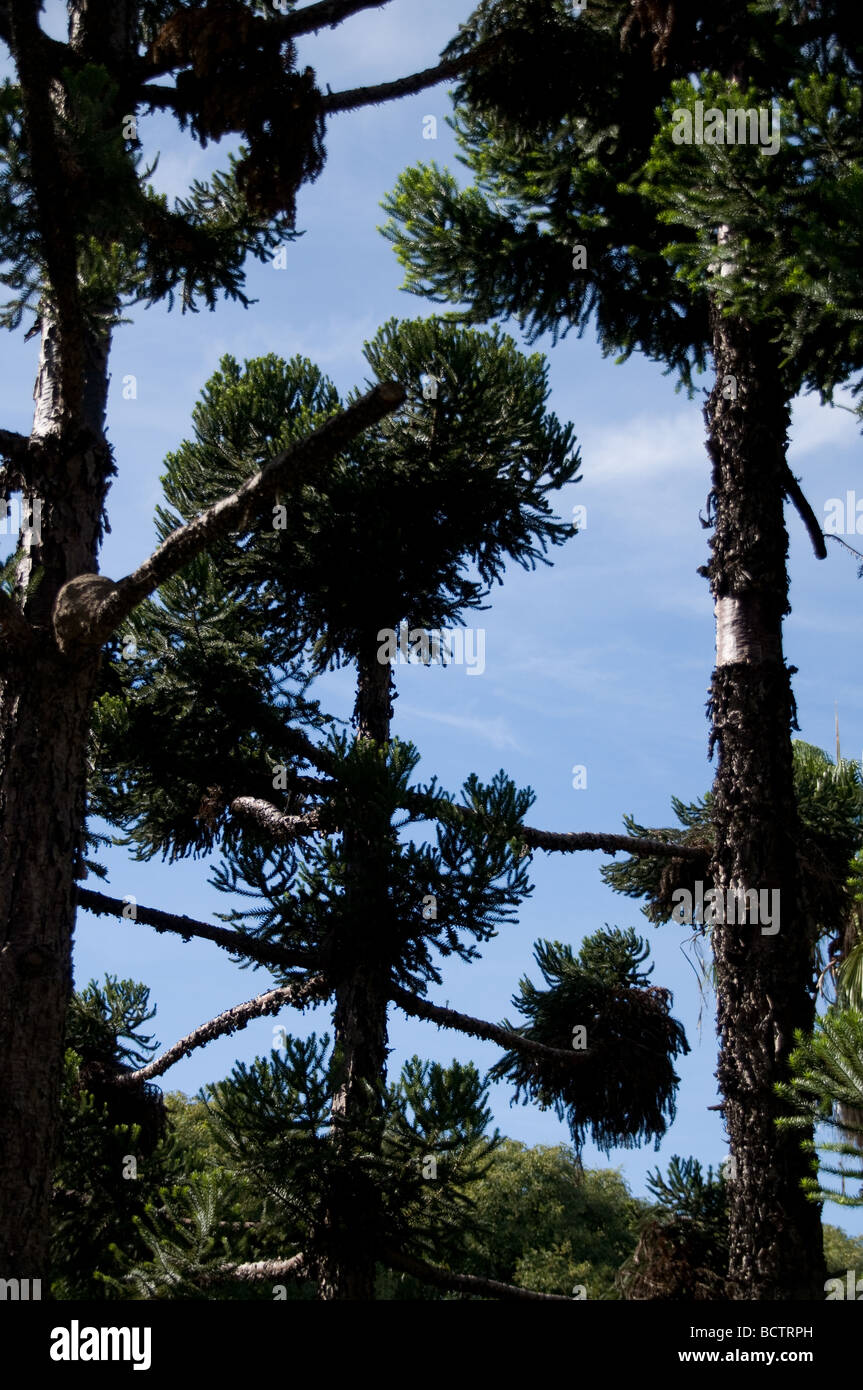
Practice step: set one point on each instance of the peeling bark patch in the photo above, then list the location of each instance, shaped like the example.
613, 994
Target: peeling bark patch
740, 634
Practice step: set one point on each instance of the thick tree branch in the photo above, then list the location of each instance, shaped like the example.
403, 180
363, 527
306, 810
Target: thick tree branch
479, 1028
326, 14
439, 808
86, 613
807, 516
464, 1283
271, 819
238, 945
284, 827
407, 86
643, 847
300, 994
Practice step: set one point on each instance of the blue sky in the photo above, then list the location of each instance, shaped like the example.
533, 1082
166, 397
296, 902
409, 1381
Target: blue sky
602, 660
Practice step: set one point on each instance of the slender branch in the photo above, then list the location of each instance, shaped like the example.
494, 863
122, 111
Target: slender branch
298, 994
328, 13
807, 516
858, 553
464, 1283
407, 86
439, 808
289, 470
479, 1028
13, 625
270, 818
235, 942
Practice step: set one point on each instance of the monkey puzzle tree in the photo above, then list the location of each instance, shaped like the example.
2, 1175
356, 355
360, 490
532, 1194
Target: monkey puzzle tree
82, 235
206, 735
605, 192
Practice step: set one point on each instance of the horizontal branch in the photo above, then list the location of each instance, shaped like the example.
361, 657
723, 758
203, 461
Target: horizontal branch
642, 846
238, 945
86, 616
464, 1283
479, 1028
807, 516
326, 14
407, 86
439, 808
271, 819
285, 827
298, 994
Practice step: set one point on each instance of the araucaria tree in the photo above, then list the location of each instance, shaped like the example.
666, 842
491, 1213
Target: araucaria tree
83, 234
688, 179
363, 879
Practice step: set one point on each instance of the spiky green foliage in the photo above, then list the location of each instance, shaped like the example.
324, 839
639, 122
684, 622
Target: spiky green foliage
187, 1238
568, 134
414, 524
682, 1252
114, 1148
235, 74
273, 1125
622, 1092
830, 809
206, 698
826, 1088
104, 1022
475, 876
689, 1194
417, 521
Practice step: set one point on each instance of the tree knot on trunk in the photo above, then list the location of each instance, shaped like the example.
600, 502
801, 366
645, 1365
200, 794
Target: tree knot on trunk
76, 611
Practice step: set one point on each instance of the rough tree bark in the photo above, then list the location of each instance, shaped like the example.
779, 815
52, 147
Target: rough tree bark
45, 698
46, 694
764, 981
360, 967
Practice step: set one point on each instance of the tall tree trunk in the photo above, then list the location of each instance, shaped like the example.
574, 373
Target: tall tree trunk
764, 977
46, 693
361, 965
45, 698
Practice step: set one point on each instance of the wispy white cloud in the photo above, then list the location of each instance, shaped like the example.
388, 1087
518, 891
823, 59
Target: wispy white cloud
644, 447
815, 426
495, 731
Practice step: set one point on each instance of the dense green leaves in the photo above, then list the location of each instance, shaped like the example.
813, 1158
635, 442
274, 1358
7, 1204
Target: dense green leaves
598, 1003
826, 1087
569, 132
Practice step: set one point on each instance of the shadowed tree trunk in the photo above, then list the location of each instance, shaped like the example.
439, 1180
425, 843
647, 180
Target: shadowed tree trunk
45, 697
362, 972
764, 977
